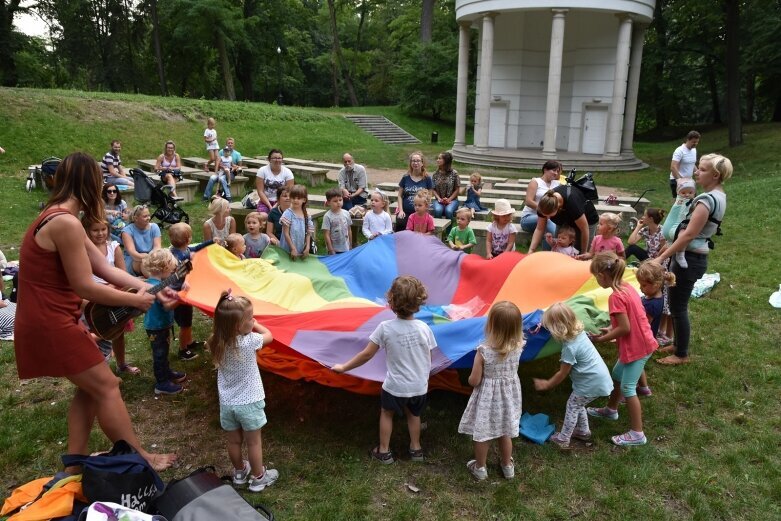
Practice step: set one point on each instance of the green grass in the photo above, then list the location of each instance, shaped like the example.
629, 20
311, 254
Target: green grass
714, 425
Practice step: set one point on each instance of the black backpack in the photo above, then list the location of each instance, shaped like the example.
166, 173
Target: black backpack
585, 184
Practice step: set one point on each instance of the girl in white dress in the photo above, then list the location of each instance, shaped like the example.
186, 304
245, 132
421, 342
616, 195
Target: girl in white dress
494, 409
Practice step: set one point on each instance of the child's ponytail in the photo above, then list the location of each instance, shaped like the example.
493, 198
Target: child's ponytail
228, 314
610, 263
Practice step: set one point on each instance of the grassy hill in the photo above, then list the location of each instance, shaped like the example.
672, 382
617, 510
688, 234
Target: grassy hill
713, 425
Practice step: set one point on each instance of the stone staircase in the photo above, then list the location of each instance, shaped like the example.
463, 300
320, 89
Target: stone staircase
383, 129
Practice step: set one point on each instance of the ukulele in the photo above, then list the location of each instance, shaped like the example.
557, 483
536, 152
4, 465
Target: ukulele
108, 322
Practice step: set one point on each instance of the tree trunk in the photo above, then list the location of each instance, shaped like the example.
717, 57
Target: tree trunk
660, 24
735, 125
426, 21
227, 75
751, 94
714, 92
777, 110
361, 20
337, 48
8, 75
158, 48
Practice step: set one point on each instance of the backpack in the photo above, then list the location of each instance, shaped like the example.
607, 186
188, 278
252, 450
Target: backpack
203, 496
685, 223
585, 184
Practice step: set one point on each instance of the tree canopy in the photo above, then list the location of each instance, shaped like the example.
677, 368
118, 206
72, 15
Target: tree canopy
370, 52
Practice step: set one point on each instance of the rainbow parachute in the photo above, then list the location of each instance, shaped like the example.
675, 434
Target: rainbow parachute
322, 310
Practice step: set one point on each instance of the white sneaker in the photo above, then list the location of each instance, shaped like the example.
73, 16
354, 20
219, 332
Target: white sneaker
266, 480
240, 476
509, 470
480, 473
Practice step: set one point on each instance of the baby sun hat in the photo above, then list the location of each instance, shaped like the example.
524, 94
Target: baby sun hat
502, 207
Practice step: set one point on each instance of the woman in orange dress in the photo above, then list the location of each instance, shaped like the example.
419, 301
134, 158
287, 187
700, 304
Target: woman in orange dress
58, 261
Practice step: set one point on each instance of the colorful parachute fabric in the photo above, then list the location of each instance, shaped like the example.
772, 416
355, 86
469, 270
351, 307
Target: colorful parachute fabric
322, 310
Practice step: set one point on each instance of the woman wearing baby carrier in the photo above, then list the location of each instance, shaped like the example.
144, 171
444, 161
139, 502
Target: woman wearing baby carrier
704, 217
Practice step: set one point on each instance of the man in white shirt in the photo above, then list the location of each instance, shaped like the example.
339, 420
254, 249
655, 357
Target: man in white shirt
684, 160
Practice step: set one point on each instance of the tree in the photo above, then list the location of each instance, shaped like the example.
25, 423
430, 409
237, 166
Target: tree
339, 60
426, 21
735, 125
8, 9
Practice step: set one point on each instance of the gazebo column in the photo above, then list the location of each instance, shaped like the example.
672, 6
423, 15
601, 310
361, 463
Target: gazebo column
632, 88
462, 87
554, 82
484, 87
616, 114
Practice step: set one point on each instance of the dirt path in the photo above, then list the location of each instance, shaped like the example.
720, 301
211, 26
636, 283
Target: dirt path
384, 175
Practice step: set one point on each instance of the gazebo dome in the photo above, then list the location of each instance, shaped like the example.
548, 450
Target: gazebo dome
555, 80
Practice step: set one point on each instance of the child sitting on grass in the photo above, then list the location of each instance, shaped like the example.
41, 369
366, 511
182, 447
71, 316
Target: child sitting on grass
180, 235
421, 221
235, 339
255, 240
378, 221
494, 409
408, 343
565, 238
585, 367
337, 224
461, 236
607, 238
158, 320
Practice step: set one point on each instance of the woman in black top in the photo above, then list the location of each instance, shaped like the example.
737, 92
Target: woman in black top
566, 205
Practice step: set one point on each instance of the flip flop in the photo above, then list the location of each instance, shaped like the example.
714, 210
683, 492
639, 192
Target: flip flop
672, 360
130, 369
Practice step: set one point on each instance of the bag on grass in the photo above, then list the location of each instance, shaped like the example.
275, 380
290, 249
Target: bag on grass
202, 496
120, 476
107, 511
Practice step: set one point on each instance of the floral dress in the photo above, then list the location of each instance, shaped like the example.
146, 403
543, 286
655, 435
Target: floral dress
494, 409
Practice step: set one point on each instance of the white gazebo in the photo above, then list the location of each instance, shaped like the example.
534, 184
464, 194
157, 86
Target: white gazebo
555, 80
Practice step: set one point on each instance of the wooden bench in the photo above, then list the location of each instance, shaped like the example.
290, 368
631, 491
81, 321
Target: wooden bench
187, 189
522, 238
236, 186
486, 179
240, 213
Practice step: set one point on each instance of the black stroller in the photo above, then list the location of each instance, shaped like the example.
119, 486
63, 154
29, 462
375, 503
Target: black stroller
146, 190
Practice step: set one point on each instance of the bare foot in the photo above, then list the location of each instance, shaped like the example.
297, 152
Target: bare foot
160, 462
668, 349
672, 360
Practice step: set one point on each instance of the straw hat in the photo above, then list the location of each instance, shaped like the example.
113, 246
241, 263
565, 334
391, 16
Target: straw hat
502, 207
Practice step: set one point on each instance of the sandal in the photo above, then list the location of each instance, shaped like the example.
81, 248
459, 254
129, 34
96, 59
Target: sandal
130, 369
386, 458
416, 455
672, 360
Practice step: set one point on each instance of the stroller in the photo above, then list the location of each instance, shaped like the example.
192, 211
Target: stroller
146, 190
43, 175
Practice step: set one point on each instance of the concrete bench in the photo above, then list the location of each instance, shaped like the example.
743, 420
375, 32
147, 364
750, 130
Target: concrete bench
313, 163
236, 186
519, 186
240, 213
486, 179
522, 238
254, 162
195, 162
148, 165
187, 189
313, 176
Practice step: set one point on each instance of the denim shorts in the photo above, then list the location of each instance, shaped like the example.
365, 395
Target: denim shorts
248, 417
